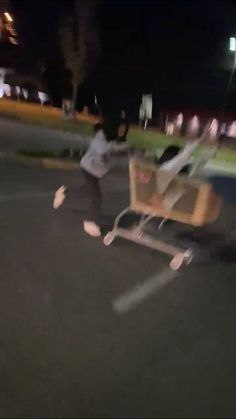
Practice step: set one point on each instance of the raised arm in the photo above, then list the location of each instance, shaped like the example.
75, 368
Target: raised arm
201, 163
115, 147
176, 164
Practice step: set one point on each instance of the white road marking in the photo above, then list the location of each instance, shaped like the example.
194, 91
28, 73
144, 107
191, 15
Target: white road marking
23, 196
142, 291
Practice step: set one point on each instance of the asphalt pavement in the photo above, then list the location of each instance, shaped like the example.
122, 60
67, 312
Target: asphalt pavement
93, 331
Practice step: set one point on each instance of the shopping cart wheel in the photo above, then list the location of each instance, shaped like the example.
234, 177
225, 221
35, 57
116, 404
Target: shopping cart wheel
188, 257
180, 259
177, 262
108, 239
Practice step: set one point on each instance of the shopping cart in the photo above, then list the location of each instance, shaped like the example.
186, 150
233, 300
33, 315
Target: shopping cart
155, 193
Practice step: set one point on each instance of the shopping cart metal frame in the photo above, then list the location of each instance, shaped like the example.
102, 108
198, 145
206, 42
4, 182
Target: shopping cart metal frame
137, 234
206, 210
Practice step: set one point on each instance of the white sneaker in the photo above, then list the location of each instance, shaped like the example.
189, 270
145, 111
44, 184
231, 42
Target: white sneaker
59, 197
92, 229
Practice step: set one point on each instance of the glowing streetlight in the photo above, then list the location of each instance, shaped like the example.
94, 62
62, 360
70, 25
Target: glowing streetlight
232, 44
8, 17
232, 48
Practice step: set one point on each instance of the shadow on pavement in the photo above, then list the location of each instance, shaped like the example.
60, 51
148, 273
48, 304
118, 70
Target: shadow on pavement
218, 246
225, 253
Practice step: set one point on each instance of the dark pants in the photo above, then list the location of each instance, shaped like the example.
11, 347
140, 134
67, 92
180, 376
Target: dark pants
94, 194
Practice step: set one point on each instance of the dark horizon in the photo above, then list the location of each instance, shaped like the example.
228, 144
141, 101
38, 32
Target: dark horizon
176, 50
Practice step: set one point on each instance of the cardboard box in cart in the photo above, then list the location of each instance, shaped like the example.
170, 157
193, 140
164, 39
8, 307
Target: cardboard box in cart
198, 205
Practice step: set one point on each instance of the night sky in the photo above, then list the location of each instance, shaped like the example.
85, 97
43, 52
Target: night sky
175, 49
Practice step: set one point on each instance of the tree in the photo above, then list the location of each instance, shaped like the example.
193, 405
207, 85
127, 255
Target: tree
58, 80
80, 43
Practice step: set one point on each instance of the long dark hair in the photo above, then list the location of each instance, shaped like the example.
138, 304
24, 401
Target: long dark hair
97, 127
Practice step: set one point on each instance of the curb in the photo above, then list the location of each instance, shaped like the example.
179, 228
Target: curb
45, 163
62, 164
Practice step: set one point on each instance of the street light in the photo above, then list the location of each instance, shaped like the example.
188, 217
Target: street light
232, 48
232, 44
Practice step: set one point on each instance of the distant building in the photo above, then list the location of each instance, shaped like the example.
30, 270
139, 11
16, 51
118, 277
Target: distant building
203, 113
8, 38
19, 71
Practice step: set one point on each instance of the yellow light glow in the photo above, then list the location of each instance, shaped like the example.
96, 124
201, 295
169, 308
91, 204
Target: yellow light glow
8, 17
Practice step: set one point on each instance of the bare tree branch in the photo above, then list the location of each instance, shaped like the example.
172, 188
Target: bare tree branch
80, 42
